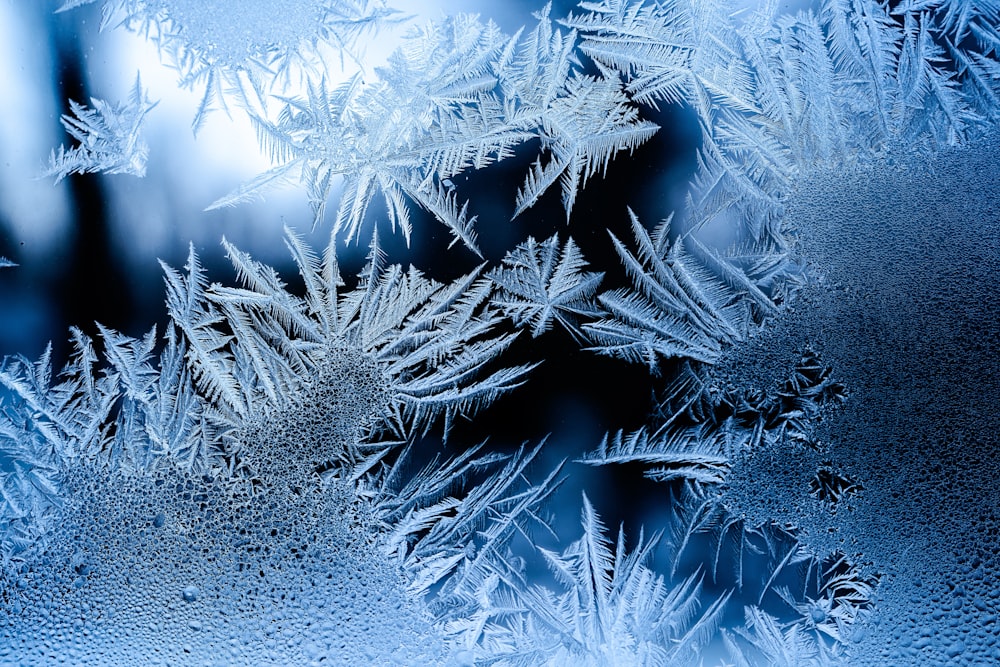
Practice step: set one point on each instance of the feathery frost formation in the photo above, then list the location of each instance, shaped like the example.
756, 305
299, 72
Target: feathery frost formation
251, 486
457, 95
243, 57
108, 137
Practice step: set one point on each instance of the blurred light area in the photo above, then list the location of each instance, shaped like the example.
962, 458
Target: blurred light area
509, 15
156, 217
34, 216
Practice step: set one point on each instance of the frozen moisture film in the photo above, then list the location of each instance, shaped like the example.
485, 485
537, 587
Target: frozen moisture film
643, 332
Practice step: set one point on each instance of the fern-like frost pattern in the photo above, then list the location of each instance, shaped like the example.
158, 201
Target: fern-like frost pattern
108, 138
251, 486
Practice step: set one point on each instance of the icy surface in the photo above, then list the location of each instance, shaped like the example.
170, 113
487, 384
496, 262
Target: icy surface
906, 314
301, 468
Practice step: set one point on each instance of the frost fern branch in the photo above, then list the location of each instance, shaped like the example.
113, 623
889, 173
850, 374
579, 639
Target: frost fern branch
108, 137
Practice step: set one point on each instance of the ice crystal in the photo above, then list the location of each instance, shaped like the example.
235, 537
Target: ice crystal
253, 485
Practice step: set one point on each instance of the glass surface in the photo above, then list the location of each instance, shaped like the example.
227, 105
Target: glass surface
620, 333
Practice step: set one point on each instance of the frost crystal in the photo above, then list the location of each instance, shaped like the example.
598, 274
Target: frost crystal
541, 284
247, 441
108, 137
258, 484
